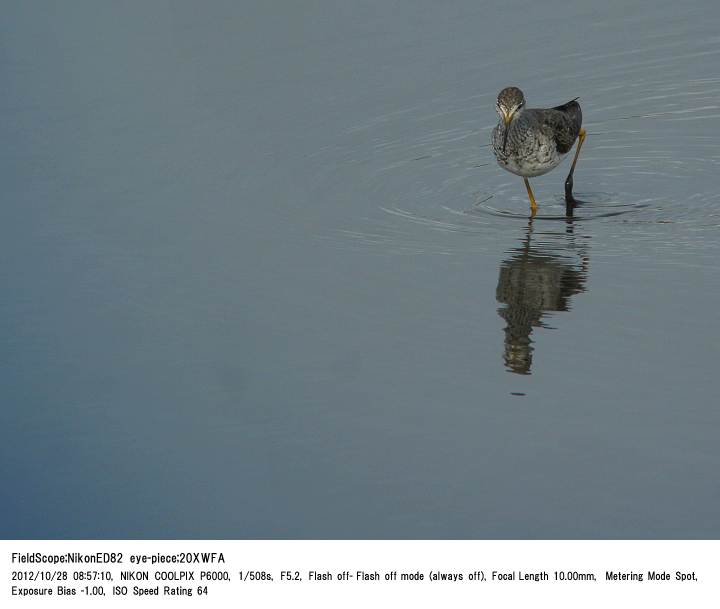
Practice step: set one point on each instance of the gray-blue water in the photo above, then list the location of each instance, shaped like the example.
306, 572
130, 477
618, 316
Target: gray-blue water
262, 277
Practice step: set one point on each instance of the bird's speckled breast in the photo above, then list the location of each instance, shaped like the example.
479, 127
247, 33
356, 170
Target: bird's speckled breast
529, 152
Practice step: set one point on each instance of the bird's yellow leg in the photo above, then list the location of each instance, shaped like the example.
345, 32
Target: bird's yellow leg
570, 201
581, 139
533, 205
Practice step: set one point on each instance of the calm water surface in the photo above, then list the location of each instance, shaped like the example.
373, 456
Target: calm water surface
262, 277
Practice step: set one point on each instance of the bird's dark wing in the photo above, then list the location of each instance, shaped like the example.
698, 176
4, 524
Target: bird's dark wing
563, 123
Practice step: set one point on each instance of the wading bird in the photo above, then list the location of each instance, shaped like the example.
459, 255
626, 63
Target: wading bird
530, 142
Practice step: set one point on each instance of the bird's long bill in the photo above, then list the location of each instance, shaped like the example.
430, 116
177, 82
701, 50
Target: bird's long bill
505, 135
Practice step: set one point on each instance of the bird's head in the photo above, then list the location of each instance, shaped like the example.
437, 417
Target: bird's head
509, 101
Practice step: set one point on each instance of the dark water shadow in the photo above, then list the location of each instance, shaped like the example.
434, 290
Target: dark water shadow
539, 278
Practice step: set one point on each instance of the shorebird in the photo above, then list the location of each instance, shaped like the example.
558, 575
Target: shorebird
530, 142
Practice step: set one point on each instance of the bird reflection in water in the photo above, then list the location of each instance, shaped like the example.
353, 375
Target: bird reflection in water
537, 279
